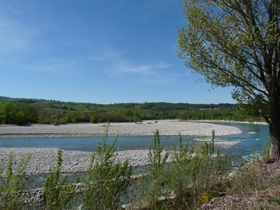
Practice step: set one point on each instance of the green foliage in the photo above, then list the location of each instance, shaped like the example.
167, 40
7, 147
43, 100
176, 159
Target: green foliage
224, 114
157, 178
11, 196
45, 112
107, 178
44, 118
155, 161
266, 148
94, 118
196, 170
8, 112
183, 183
12, 114
30, 113
221, 53
235, 43
56, 122
137, 114
58, 194
65, 120
274, 200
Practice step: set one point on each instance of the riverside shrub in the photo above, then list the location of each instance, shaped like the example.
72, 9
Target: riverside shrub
153, 186
57, 193
12, 184
181, 183
107, 179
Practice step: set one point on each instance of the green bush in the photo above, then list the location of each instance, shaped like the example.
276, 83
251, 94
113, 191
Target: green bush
11, 196
58, 194
183, 183
94, 118
153, 186
107, 178
12, 114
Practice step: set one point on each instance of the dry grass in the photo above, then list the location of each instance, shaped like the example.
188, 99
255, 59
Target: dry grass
255, 185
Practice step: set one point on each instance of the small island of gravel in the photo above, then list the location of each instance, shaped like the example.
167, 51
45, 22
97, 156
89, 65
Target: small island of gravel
43, 159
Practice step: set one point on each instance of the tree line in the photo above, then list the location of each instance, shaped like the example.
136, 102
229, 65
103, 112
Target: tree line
27, 113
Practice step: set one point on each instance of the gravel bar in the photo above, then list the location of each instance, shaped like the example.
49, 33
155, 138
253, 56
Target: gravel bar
44, 159
145, 128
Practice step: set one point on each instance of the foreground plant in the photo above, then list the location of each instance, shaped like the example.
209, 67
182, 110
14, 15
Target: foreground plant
58, 194
11, 186
181, 184
153, 186
107, 179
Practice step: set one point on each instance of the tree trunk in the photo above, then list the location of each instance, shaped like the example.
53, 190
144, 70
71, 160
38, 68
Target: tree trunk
275, 141
274, 128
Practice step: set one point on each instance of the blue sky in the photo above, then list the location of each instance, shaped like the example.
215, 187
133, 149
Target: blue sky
99, 51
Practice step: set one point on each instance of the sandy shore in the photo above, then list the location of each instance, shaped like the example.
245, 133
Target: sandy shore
145, 128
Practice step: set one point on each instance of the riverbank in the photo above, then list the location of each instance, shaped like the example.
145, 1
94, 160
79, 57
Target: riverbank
228, 121
145, 128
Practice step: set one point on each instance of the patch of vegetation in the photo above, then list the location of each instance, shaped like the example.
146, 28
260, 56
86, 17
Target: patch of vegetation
23, 111
107, 178
12, 184
57, 193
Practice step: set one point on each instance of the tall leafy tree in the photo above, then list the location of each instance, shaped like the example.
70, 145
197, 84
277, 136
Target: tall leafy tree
236, 43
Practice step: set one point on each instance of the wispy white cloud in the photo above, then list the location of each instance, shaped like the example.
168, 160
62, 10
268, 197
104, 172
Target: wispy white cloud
58, 66
116, 65
142, 69
107, 54
15, 36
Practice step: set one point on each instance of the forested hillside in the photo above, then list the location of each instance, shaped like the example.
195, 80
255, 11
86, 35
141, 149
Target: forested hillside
23, 111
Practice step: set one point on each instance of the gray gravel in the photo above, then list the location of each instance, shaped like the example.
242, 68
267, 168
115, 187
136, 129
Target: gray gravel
145, 128
44, 159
